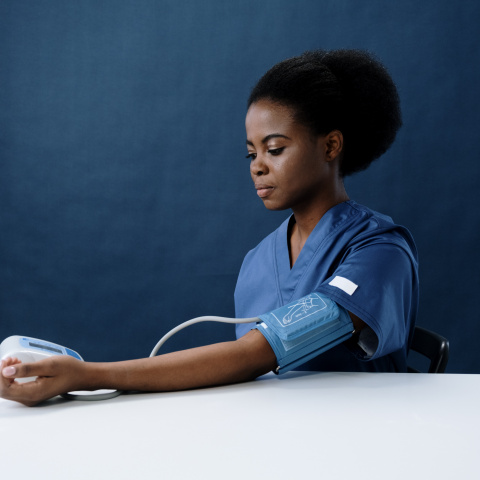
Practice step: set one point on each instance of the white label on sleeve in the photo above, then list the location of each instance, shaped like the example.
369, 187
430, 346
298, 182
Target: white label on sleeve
344, 284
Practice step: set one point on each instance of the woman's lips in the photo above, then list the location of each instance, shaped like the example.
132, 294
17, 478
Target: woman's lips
263, 190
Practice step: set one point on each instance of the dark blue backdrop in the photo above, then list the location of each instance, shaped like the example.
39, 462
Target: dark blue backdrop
126, 205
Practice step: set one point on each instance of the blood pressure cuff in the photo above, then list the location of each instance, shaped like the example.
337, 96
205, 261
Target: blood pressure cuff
303, 329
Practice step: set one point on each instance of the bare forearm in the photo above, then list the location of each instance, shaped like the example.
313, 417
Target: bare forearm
217, 364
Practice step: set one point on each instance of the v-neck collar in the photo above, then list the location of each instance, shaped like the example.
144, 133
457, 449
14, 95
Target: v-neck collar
288, 277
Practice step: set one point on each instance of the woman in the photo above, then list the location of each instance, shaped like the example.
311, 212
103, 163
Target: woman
311, 121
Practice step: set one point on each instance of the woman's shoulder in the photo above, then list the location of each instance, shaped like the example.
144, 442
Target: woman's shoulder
376, 227
367, 213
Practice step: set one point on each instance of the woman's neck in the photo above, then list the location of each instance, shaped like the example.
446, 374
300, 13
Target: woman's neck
306, 220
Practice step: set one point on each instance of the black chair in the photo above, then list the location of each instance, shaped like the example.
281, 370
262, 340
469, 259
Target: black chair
430, 345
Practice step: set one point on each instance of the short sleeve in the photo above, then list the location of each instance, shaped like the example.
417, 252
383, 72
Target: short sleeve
378, 283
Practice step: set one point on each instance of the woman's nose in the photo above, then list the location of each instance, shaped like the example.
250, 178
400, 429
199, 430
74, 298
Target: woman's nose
258, 167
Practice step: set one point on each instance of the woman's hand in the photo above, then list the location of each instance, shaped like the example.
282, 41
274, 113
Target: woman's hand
55, 375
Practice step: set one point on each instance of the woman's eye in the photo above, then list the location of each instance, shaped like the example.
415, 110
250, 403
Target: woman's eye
276, 151
251, 156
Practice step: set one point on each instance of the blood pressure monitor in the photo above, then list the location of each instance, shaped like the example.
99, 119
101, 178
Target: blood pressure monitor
28, 349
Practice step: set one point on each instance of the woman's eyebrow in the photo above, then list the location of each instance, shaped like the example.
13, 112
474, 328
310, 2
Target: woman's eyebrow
269, 137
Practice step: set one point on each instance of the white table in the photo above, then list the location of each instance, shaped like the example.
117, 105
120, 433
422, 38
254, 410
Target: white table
301, 425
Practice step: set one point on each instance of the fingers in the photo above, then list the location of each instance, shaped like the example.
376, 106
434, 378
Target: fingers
31, 392
6, 368
9, 389
10, 360
55, 375
12, 368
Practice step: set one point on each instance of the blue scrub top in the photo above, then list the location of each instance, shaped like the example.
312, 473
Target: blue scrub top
350, 242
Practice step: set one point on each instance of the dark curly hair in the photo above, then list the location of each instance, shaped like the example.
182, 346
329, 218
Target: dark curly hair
346, 90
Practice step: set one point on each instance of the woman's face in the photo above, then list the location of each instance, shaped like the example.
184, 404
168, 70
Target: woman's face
289, 165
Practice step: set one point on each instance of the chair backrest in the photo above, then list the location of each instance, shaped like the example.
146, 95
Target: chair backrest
431, 345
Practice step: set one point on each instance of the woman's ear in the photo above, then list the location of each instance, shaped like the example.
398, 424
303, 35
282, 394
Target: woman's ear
333, 144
